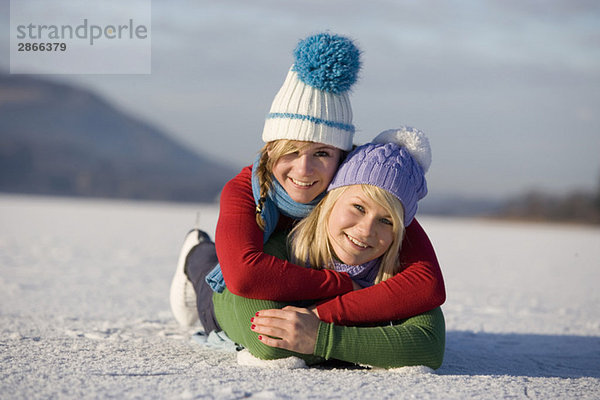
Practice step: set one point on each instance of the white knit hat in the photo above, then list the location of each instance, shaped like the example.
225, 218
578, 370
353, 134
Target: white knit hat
313, 104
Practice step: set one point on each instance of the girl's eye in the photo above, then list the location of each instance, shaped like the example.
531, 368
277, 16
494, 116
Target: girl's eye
359, 207
322, 154
387, 221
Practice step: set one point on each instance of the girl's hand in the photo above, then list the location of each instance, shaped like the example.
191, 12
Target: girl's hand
290, 328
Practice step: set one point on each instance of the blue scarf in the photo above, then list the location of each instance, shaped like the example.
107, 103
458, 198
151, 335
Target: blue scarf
363, 274
277, 202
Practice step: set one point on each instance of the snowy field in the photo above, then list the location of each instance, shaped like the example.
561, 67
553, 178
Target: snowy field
84, 312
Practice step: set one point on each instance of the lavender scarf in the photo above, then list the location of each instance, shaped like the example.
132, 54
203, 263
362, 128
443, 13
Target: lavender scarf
363, 274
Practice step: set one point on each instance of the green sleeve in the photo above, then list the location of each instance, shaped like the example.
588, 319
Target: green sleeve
277, 245
418, 340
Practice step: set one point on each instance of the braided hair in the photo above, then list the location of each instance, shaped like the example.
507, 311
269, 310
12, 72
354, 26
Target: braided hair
265, 180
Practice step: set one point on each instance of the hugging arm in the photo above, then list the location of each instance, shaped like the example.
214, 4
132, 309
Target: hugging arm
250, 272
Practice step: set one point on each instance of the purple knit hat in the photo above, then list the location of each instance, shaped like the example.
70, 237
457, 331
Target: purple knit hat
396, 161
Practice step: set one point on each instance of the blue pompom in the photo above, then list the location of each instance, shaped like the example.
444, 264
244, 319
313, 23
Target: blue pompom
327, 62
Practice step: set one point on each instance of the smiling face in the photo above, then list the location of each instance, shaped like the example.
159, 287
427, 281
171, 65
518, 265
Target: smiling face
359, 228
307, 171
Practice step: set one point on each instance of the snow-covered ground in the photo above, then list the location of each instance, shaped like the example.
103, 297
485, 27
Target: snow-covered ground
84, 312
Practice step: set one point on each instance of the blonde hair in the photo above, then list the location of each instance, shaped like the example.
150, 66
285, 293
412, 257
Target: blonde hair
309, 240
269, 155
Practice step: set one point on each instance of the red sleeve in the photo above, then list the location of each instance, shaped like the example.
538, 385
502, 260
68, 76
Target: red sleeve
417, 288
251, 273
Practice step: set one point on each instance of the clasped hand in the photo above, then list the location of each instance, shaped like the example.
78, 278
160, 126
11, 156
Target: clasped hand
290, 328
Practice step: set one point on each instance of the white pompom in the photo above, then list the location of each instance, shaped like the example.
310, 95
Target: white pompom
412, 139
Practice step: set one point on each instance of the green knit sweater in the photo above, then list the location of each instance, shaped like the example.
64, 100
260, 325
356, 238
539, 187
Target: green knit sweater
418, 340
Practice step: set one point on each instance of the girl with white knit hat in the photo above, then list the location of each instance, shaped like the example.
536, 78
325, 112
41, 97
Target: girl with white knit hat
308, 130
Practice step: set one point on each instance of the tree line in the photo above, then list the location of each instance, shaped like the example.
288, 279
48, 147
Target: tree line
577, 206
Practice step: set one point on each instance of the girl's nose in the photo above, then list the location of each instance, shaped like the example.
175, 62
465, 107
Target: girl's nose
305, 165
367, 226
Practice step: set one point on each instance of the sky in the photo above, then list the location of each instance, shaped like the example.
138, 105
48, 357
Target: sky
505, 90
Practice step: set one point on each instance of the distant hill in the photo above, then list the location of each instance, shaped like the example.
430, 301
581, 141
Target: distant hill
57, 139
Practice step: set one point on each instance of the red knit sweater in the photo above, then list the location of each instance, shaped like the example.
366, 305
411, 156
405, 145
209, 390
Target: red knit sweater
250, 273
